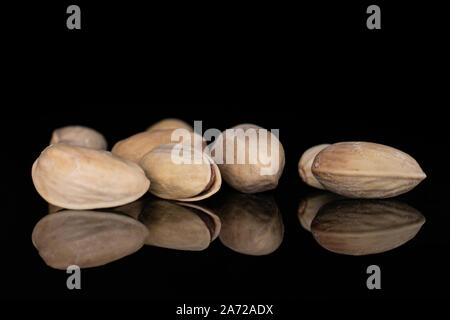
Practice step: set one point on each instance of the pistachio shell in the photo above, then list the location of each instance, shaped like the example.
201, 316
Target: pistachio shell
177, 225
251, 224
247, 177
366, 170
86, 238
80, 136
305, 163
360, 227
310, 206
170, 123
75, 177
136, 146
183, 181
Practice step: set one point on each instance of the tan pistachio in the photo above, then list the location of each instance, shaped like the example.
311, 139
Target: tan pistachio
366, 170
246, 161
86, 238
305, 163
251, 223
80, 136
310, 206
361, 227
179, 225
75, 177
193, 178
170, 123
136, 146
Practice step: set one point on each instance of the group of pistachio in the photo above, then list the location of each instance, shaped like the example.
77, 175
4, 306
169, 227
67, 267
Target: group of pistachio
76, 174
79, 178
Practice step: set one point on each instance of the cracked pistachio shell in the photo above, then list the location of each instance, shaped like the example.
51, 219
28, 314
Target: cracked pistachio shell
310, 206
361, 227
247, 175
86, 238
181, 181
80, 136
179, 225
251, 224
305, 163
170, 123
75, 177
366, 170
136, 146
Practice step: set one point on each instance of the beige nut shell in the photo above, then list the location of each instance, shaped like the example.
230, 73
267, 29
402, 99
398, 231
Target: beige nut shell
366, 170
170, 123
80, 136
305, 163
180, 181
136, 146
75, 177
246, 177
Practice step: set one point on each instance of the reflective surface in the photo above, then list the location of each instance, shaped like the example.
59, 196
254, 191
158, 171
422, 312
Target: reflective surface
360, 227
252, 224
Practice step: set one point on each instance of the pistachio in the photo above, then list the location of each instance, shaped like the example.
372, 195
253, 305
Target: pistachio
80, 136
360, 227
366, 170
75, 177
170, 123
247, 162
191, 180
86, 238
136, 146
179, 225
305, 163
310, 205
251, 224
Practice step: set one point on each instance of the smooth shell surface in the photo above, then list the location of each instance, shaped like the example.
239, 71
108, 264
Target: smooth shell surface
80, 136
81, 178
136, 146
251, 224
86, 238
170, 123
366, 170
310, 206
181, 181
360, 227
305, 163
179, 226
246, 175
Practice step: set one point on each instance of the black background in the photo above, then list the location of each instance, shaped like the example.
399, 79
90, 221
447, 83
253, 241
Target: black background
311, 70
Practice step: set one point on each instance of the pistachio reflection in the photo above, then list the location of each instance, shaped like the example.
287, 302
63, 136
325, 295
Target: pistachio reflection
361, 227
86, 238
310, 205
251, 223
178, 225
